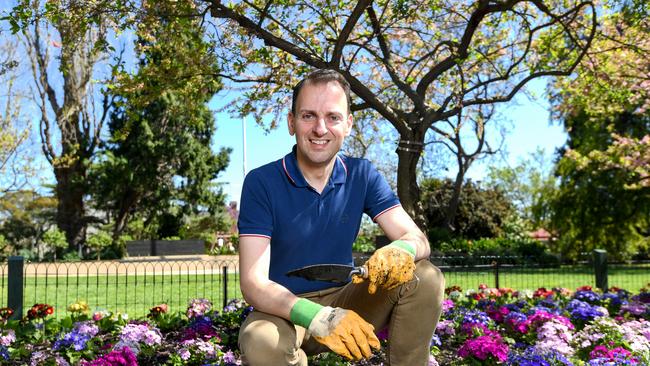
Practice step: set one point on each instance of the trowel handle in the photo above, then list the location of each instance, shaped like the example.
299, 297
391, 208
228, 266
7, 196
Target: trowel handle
361, 271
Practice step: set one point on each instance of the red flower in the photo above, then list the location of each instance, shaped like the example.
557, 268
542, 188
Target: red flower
584, 288
542, 292
39, 311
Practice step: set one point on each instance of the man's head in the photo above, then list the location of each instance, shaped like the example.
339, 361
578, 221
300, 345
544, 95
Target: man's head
320, 119
321, 76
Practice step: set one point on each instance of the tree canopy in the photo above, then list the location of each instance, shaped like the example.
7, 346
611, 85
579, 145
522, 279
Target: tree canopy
159, 155
604, 197
432, 69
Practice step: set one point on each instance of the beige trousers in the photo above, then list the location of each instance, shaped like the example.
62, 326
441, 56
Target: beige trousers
410, 312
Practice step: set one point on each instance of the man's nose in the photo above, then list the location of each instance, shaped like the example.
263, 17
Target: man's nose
320, 128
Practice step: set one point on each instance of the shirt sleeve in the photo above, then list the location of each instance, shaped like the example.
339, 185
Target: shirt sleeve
379, 197
255, 214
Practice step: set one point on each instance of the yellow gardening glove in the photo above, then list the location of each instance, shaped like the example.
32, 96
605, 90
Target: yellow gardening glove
342, 331
390, 266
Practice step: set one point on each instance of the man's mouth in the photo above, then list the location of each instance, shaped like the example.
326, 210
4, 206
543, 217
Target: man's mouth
318, 142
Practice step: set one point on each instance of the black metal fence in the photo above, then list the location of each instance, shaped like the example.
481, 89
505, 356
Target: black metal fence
127, 286
134, 286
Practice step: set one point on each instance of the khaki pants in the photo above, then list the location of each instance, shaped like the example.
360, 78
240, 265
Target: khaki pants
410, 311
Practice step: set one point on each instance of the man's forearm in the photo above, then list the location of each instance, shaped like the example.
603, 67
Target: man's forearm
269, 297
419, 241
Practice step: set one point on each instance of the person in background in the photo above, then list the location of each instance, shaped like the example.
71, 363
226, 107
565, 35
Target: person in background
305, 209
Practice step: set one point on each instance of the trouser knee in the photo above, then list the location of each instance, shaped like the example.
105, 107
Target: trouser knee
269, 341
431, 282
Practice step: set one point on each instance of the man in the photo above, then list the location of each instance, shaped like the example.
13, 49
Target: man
306, 208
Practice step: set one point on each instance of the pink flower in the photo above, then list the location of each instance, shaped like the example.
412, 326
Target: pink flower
484, 347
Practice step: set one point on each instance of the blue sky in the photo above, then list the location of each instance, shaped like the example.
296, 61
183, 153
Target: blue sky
528, 122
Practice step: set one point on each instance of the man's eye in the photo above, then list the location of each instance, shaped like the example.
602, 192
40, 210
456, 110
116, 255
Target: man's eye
335, 118
307, 116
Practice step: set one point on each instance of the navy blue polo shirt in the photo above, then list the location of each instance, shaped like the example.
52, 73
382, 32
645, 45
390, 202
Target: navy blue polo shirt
306, 227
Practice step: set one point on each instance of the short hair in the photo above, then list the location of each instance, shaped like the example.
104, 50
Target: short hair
318, 77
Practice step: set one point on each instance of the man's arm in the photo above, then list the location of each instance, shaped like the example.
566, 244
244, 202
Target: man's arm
398, 225
258, 290
342, 331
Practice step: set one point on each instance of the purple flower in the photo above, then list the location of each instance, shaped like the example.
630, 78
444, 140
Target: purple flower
587, 296
200, 327
534, 357
447, 305
581, 310
444, 327
198, 307
435, 341
485, 347
229, 359
382, 335
120, 357
636, 309
474, 317
134, 333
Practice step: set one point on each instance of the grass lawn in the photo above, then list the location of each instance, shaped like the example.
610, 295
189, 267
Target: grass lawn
135, 294
631, 278
130, 294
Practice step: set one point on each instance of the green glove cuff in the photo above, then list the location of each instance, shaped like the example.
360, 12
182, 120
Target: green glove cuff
405, 246
303, 312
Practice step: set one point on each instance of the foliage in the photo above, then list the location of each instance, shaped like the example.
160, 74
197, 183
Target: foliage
158, 163
207, 227
606, 109
24, 217
365, 241
529, 185
430, 69
65, 46
481, 212
15, 167
55, 238
98, 241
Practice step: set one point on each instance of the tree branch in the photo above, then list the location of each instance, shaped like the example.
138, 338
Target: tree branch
221, 11
358, 10
484, 8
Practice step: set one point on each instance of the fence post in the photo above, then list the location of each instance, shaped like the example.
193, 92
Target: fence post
600, 268
495, 263
15, 286
225, 286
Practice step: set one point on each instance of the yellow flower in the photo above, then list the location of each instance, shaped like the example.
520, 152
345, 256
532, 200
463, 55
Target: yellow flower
78, 307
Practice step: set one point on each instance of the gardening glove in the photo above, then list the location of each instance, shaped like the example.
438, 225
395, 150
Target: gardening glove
342, 331
390, 266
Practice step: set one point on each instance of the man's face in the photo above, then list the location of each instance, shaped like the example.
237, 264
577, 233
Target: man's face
320, 124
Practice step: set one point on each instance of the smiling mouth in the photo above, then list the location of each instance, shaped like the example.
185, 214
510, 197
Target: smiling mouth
319, 142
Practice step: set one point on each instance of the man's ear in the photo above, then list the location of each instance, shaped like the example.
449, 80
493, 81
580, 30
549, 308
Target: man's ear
290, 124
349, 122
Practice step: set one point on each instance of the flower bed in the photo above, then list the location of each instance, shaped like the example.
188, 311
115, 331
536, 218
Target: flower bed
483, 327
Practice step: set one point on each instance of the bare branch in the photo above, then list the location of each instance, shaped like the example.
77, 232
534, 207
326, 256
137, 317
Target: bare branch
221, 11
483, 9
347, 30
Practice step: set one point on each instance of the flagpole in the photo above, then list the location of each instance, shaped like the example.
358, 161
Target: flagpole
243, 125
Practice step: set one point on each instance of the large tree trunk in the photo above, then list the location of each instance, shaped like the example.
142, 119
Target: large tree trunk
408, 156
70, 207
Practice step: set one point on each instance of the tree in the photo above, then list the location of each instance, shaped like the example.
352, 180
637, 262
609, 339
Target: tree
426, 66
530, 186
14, 131
604, 197
25, 216
65, 41
158, 163
482, 212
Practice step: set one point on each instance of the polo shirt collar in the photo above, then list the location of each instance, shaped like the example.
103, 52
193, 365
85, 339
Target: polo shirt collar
290, 165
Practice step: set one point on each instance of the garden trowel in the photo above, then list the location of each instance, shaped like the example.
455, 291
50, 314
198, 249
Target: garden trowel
329, 272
